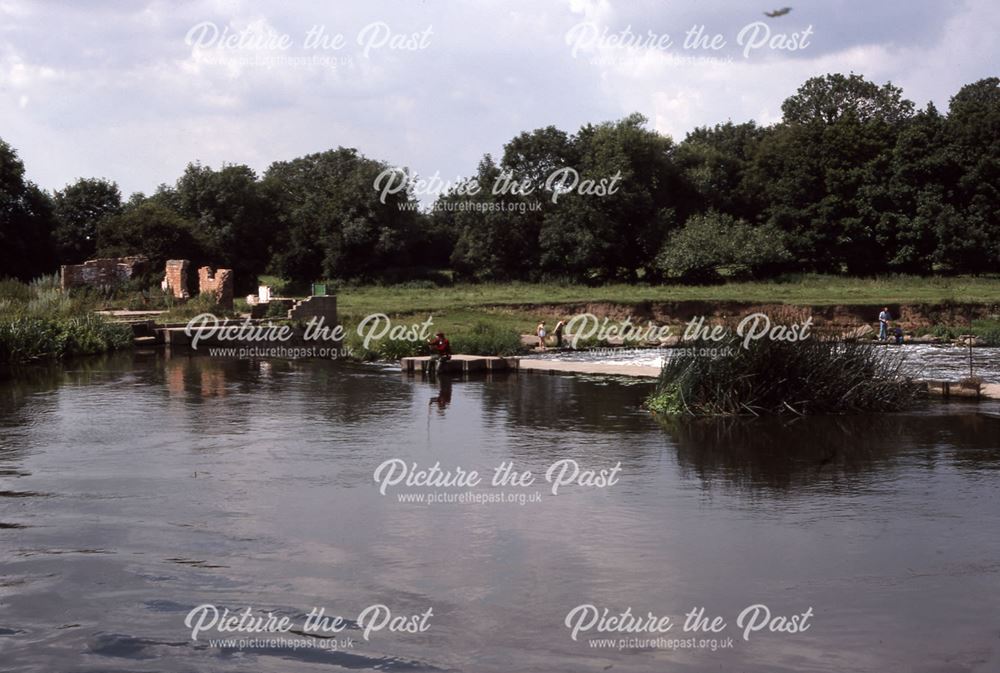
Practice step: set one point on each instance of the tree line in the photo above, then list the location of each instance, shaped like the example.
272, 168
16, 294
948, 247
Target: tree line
853, 180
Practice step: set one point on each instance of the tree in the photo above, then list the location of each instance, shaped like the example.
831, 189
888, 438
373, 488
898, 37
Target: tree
715, 162
26, 222
715, 244
615, 235
822, 172
973, 133
79, 207
831, 98
152, 230
232, 217
497, 234
334, 223
535, 155
918, 171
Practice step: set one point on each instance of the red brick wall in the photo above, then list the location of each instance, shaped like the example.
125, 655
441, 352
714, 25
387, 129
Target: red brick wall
175, 279
104, 272
219, 284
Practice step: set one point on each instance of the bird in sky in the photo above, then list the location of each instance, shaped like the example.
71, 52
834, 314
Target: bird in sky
778, 12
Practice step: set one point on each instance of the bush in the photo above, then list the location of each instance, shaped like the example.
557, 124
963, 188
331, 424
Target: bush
276, 310
986, 330
715, 244
202, 303
487, 339
483, 339
385, 349
778, 377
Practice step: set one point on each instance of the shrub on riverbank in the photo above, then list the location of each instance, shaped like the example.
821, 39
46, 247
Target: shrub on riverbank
39, 321
777, 377
487, 339
483, 338
383, 349
986, 331
196, 305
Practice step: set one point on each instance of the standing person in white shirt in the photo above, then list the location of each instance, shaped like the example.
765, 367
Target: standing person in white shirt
883, 324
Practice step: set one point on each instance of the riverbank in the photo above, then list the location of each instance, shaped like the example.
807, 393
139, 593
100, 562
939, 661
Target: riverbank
793, 289
944, 308
38, 321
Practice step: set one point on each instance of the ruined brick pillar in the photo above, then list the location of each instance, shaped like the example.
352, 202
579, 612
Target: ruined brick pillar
175, 279
218, 283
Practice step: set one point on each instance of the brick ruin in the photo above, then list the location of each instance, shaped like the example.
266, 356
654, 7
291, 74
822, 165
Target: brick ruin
175, 278
105, 272
218, 283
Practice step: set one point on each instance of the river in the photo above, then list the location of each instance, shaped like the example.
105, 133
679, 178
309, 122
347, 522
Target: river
135, 488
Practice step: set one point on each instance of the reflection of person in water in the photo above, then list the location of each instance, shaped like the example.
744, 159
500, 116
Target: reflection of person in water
444, 395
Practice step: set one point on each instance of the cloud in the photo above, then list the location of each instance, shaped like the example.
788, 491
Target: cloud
111, 88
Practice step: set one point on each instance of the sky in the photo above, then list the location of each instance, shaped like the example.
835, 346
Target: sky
133, 91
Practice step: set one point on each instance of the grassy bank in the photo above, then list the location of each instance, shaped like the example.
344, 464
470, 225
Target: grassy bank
38, 321
518, 307
487, 318
805, 289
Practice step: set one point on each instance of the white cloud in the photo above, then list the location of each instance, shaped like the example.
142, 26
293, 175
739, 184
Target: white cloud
113, 90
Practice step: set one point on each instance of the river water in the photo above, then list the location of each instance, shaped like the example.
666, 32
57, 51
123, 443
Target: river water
135, 488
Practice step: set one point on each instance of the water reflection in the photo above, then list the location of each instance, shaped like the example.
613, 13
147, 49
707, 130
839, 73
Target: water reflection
443, 398
831, 452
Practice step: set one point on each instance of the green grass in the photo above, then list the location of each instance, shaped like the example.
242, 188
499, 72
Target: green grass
518, 307
806, 289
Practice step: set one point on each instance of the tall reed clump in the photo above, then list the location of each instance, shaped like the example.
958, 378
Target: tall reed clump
40, 321
814, 376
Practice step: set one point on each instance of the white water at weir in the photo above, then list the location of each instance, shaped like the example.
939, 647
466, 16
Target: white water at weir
945, 362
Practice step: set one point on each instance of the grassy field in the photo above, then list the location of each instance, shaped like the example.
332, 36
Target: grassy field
817, 290
509, 306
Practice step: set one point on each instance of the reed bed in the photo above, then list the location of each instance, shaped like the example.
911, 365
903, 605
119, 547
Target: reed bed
765, 377
39, 321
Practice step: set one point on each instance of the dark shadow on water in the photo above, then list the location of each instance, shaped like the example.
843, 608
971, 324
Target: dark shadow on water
831, 453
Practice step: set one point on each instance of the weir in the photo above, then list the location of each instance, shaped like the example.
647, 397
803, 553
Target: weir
464, 364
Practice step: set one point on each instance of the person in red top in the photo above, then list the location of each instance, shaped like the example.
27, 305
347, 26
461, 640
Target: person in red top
441, 348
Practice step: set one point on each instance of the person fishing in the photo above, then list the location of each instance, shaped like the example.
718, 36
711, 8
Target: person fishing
560, 328
440, 351
883, 324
